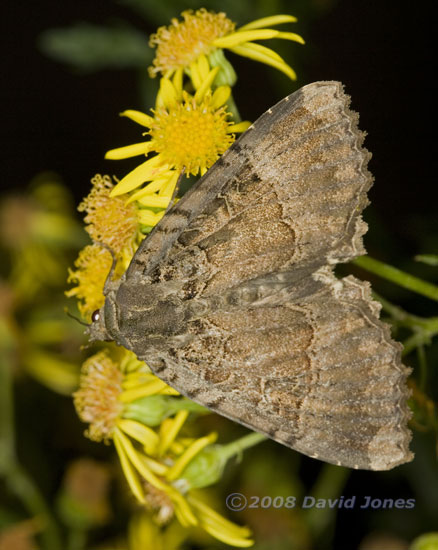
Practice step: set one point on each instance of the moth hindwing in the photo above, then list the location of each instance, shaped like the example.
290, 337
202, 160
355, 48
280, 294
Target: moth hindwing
232, 298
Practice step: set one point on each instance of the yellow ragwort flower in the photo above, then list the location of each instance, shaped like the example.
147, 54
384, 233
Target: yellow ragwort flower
111, 222
109, 383
109, 219
203, 32
186, 132
97, 399
113, 396
155, 479
92, 267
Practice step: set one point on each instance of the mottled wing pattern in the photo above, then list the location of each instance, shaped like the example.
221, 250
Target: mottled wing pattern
310, 366
288, 192
266, 335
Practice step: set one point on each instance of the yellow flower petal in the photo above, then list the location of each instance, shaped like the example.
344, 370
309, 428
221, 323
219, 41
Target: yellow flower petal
206, 84
219, 534
268, 21
133, 379
258, 56
263, 50
154, 201
91, 270
291, 36
219, 527
143, 390
156, 185
195, 75
168, 188
177, 447
130, 365
141, 433
167, 96
203, 67
183, 512
128, 470
240, 127
177, 81
138, 117
129, 151
169, 430
147, 217
146, 171
182, 461
155, 467
220, 96
244, 36
168, 391
209, 515
134, 457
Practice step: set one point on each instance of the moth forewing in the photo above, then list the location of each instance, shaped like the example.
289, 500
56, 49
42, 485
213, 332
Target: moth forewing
232, 298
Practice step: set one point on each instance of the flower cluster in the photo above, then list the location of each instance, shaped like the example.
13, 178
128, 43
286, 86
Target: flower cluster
123, 401
193, 123
187, 131
203, 33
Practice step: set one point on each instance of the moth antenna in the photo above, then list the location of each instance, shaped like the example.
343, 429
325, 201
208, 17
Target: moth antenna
109, 277
175, 191
76, 318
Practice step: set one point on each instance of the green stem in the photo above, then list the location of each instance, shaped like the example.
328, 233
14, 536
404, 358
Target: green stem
416, 340
424, 329
397, 276
237, 447
401, 317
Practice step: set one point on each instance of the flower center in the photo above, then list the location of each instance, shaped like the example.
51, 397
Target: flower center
191, 136
97, 399
109, 220
183, 42
158, 502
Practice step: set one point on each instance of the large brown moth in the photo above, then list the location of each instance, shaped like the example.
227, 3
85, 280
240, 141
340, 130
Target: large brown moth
232, 299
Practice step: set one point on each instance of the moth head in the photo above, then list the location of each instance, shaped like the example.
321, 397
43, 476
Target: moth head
104, 320
97, 328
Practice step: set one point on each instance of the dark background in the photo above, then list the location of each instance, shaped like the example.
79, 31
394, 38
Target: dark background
62, 120
382, 51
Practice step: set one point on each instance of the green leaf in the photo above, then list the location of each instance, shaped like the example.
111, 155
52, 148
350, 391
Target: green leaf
153, 409
92, 47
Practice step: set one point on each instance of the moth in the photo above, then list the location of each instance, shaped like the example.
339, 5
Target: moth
233, 301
